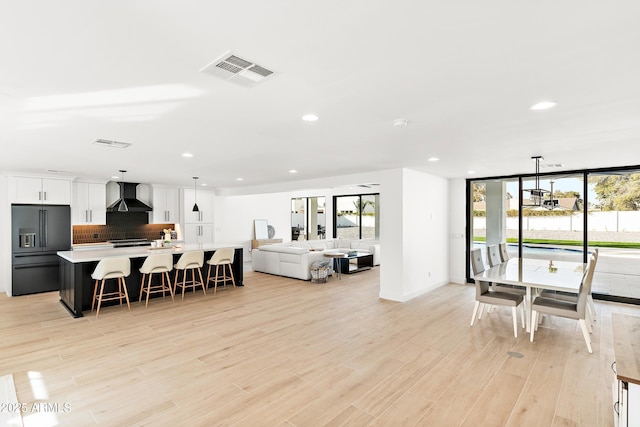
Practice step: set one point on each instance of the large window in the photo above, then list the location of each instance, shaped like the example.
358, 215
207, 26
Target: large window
579, 212
357, 216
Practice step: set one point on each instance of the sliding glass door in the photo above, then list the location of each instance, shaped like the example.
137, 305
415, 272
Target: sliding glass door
614, 229
554, 226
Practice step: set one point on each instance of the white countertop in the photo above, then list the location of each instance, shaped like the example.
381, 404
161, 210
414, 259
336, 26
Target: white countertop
138, 251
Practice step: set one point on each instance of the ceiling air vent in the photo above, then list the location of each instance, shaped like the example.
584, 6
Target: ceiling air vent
237, 70
111, 144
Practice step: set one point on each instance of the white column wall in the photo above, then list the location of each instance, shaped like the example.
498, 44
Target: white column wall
414, 233
496, 212
5, 229
457, 229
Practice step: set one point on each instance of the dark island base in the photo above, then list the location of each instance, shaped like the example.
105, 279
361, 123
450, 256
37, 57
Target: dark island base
76, 284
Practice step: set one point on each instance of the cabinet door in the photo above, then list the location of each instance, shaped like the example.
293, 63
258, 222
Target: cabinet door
25, 190
80, 204
89, 203
56, 192
166, 205
204, 200
97, 203
172, 204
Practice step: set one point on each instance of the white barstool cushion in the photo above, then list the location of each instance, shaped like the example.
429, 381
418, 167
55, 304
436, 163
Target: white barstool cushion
157, 263
190, 260
109, 268
222, 256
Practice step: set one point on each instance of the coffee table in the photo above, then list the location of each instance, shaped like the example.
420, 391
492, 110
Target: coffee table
341, 264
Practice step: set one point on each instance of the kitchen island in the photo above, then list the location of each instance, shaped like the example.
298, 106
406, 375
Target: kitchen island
76, 284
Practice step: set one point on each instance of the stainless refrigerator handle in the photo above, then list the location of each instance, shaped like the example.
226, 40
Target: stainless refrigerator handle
40, 228
46, 227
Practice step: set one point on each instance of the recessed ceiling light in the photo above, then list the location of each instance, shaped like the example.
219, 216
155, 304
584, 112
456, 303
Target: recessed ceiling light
433, 159
115, 177
471, 172
310, 117
400, 122
239, 179
204, 184
187, 155
293, 171
544, 105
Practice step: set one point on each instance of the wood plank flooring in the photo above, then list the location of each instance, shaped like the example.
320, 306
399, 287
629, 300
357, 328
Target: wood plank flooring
284, 352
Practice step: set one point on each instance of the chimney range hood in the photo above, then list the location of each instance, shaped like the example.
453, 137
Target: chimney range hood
128, 193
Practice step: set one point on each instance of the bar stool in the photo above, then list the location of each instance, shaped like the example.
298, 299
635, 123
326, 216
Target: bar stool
221, 257
111, 268
157, 263
189, 261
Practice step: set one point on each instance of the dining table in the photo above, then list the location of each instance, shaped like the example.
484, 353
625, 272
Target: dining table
536, 274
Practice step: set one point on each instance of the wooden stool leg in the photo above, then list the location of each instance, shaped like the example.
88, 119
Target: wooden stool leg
175, 282
201, 282
184, 279
148, 289
208, 275
141, 287
233, 279
126, 294
164, 287
120, 290
95, 291
100, 298
166, 273
215, 285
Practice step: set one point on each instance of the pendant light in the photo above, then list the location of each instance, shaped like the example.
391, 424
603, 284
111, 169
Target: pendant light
122, 206
195, 190
537, 194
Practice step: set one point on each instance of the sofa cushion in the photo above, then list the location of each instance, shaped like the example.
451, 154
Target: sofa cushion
317, 245
301, 244
284, 249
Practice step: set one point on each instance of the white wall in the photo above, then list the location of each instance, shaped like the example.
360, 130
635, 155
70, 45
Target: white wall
457, 229
414, 234
234, 217
5, 229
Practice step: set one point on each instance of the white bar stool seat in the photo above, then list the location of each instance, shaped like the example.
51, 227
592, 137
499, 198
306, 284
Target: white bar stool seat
156, 263
111, 268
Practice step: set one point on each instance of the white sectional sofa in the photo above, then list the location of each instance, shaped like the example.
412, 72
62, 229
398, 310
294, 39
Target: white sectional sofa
293, 259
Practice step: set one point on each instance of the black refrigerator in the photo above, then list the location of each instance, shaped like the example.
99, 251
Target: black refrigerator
37, 233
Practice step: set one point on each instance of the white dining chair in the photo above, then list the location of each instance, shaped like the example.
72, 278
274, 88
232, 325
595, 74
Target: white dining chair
486, 296
504, 255
572, 310
493, 256
573, 297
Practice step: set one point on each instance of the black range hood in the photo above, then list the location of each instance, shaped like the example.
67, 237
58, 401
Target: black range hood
128, 193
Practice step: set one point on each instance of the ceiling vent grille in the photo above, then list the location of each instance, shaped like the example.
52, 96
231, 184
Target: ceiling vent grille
111, 144
237, 70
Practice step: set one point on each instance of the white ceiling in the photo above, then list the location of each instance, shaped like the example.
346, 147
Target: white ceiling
463, 73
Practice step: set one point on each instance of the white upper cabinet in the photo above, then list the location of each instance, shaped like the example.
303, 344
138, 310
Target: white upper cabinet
89, 203
166, 205
35, 190
204, 199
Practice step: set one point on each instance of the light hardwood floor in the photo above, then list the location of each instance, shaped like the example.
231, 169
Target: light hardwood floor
284, 352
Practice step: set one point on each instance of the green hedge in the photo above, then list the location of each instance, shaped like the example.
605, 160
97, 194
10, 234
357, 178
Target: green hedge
628, 245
